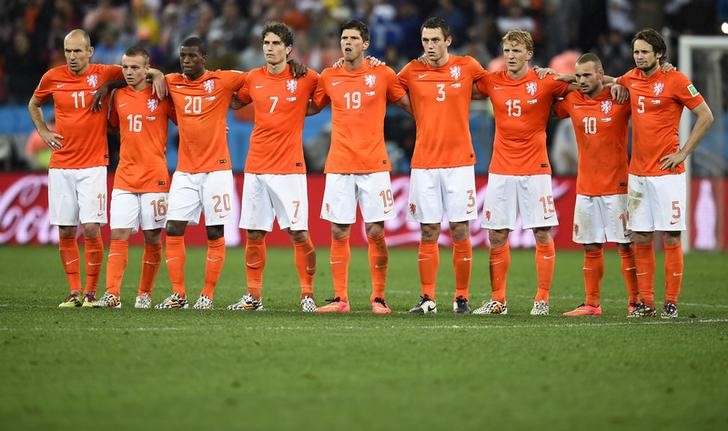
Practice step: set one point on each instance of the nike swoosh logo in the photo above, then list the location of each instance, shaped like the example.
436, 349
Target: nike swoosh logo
674, 222
548, 217
157, 220
335, 262
223, 216
258, 86
309, 269
677, 274
497, 262
336, 83
68, 262
170, 259
387, 211
59, 85
495, 87
254, 264
122, 105
641, 274
630, 268
469, 212
430, 308
179, 86
114, 254
548, 257
151, 263
467, 259
213, 260
380, 266
422, 75
94, 264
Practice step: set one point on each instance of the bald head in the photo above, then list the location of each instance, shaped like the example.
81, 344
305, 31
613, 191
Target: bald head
78, 51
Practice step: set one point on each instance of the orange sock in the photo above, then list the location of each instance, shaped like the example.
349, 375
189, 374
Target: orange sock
428, 261
378, 262
340, 257
176, 254
545, 260
255, 257
150, 267
462, 262
305, 259
499, 261
93, 254
213, 265
629, 273
673, 271
71, 261
644, 261
116, 265
593, 273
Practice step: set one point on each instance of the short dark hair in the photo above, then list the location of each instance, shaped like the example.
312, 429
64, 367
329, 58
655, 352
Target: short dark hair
136, 51
654, 39
437, 22
355, 24
589, 57
195, 42
279, 29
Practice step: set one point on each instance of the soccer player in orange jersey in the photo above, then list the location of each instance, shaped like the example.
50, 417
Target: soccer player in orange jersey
600, 213
141, 182
77, 172
203, 181
657, 183
357, 167
275, 170
442, 181
519, 179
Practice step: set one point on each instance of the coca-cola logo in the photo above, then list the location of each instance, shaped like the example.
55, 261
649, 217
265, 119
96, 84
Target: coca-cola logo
24, 212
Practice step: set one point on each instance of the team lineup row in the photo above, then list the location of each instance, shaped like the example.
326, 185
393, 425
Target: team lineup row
618, 199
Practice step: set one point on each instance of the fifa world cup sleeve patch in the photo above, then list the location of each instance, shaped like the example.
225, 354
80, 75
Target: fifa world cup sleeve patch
693, 91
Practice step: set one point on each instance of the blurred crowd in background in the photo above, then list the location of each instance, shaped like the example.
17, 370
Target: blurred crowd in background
32, 31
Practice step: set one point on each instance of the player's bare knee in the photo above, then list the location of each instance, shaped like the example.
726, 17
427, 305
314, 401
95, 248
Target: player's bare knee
67, 231
339, 231
642, 237
91, 230
429, 231
176, 228
497, 237
215, 232
672, 238
120, 234
542, 234
592, 247
298, 235
460, 231
153, 236
255, 235
374, 230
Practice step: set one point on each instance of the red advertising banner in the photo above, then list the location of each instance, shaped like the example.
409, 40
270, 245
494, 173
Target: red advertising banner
24, 215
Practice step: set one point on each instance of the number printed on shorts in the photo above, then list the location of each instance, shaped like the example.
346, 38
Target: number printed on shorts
676, 213
387, 200
624, 217
548, 206
102, 203
471, 201
160, 207
221, 203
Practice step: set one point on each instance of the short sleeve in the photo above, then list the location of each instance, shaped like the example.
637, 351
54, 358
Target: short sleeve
113, 113
560, 109
234, 78
395, 91
171, 112
243, 94
320, 98
403, 76
477, 70
482, 85
43, 91
684, 90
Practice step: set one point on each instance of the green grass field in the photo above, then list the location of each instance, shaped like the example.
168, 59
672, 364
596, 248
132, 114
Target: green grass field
282, 369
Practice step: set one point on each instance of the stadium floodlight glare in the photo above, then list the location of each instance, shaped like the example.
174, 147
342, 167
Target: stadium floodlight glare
724, 27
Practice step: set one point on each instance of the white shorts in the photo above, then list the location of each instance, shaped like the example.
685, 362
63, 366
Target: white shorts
373, 192
657, 203
266, 197
507, 196
598, 219
189, 194
436, 192
77, 195
130, 210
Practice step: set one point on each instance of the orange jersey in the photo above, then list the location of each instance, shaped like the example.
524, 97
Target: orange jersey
657, 104
521, 110
440, 98
600, 125
201, 107
276, 144
358, 104
84, 131
142, 122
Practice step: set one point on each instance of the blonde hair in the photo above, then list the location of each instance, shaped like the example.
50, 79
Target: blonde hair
521, 37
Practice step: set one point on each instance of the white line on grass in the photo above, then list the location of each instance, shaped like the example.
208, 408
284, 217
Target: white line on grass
370, 327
